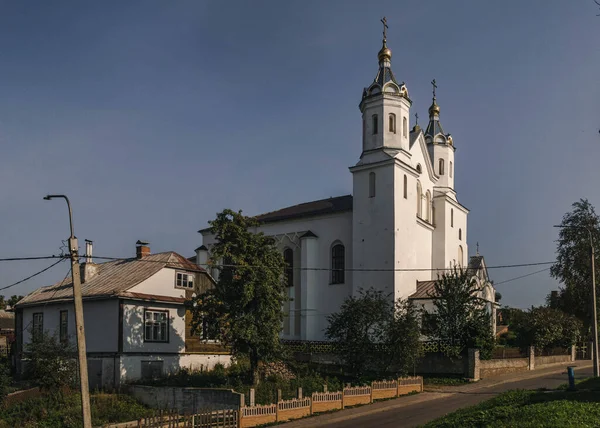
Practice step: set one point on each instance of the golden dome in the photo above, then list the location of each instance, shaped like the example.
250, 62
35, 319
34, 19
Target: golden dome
385, 53
434, 110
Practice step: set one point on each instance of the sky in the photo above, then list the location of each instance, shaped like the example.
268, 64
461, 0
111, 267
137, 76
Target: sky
152, 116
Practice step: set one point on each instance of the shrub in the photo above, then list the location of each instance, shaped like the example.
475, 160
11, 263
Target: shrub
52, 363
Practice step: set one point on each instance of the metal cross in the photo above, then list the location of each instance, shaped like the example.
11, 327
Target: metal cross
416, 118
434, 87
477, 248
385, 27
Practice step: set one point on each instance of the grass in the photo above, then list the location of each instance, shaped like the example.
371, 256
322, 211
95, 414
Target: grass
64, 411
521, 408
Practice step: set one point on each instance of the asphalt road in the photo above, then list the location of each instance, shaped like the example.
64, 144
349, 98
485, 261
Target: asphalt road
421, 413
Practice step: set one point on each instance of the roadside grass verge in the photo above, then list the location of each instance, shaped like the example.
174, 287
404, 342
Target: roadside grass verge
523, 408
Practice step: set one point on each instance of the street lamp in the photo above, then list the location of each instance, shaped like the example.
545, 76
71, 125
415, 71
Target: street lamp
594, 316
75, 275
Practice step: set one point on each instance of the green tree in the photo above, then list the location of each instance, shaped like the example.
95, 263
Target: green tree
13, 300
50, 362
573, 261
246, 306
545, 328
460, 315
373, 333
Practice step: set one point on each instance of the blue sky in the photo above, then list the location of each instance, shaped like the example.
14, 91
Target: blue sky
152, 116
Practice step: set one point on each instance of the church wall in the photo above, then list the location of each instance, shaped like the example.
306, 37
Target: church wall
328, 297
373, 229
412, 235
451, 236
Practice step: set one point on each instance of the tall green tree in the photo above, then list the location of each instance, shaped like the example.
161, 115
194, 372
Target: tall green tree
374, 334
460, 315
245, 308
573, 267
545, 328
13, 300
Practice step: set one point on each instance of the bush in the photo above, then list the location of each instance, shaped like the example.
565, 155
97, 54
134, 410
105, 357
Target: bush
52, 364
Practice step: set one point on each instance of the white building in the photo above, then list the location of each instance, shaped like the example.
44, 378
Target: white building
402, 226
136, 324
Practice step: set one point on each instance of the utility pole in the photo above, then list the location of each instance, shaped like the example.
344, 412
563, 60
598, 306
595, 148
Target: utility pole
81, 350
594, 312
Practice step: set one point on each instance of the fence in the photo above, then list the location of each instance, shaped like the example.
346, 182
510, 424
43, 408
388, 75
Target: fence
283, 410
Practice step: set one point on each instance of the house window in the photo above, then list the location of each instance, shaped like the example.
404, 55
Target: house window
184, 280
288, 258
451, 217
404, 127
441, 166
392, 120
156, 326
64, 326
372, 184
152, 369
338, 264
450, 169
405, 187
460, 234
419, 197
375, 124
208, 332
38, 324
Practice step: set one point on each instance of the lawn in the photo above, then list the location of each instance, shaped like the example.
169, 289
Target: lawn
521, 408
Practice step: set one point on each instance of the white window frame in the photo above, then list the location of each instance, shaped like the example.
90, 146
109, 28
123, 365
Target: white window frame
37, 326
184, 280
151, 315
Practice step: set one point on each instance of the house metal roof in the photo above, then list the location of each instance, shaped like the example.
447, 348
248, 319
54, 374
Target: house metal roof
425, 290
112, 279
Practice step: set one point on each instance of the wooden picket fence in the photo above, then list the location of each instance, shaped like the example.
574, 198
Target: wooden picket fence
227, 418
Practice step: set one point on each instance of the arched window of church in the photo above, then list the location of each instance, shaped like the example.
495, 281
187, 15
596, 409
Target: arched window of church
372, 179
428, 206
405, 187
451, 217
404, 127
375, 124
450, 169
392, 125
419, 199
441, 166
460, 256
460, 234
338, 264
288, 258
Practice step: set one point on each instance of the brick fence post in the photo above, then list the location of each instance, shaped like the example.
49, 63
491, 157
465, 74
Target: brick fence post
474, 369
531, 358
573, 352
252, 399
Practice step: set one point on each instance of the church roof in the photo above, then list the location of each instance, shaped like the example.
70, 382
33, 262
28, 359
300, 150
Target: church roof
434, 128
425, 290
309, 209
384, 75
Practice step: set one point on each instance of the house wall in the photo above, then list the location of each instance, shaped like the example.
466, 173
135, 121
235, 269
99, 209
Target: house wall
101, 321
133, 328
130, 366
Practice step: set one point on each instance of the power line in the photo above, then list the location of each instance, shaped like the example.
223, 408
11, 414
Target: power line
31, 276
16, 259
323, 269
523, 276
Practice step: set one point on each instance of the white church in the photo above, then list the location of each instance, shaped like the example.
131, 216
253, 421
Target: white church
402, 226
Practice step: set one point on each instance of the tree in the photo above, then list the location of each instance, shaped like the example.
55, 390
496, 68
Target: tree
245, 309
573, 261
460, 315
545, 328
373, 333
51, 363
13, 300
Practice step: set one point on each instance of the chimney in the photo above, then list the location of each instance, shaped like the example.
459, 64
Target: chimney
88, 251
88, 269
142, 249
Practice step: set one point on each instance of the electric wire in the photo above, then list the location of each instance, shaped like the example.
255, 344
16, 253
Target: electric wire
31, 276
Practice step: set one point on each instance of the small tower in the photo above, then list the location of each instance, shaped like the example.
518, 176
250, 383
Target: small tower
385, 107
440, 145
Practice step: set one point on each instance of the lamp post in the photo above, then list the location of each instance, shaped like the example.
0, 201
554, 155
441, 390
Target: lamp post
82, 354
594, 314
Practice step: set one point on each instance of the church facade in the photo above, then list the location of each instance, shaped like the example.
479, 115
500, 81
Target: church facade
402, 226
